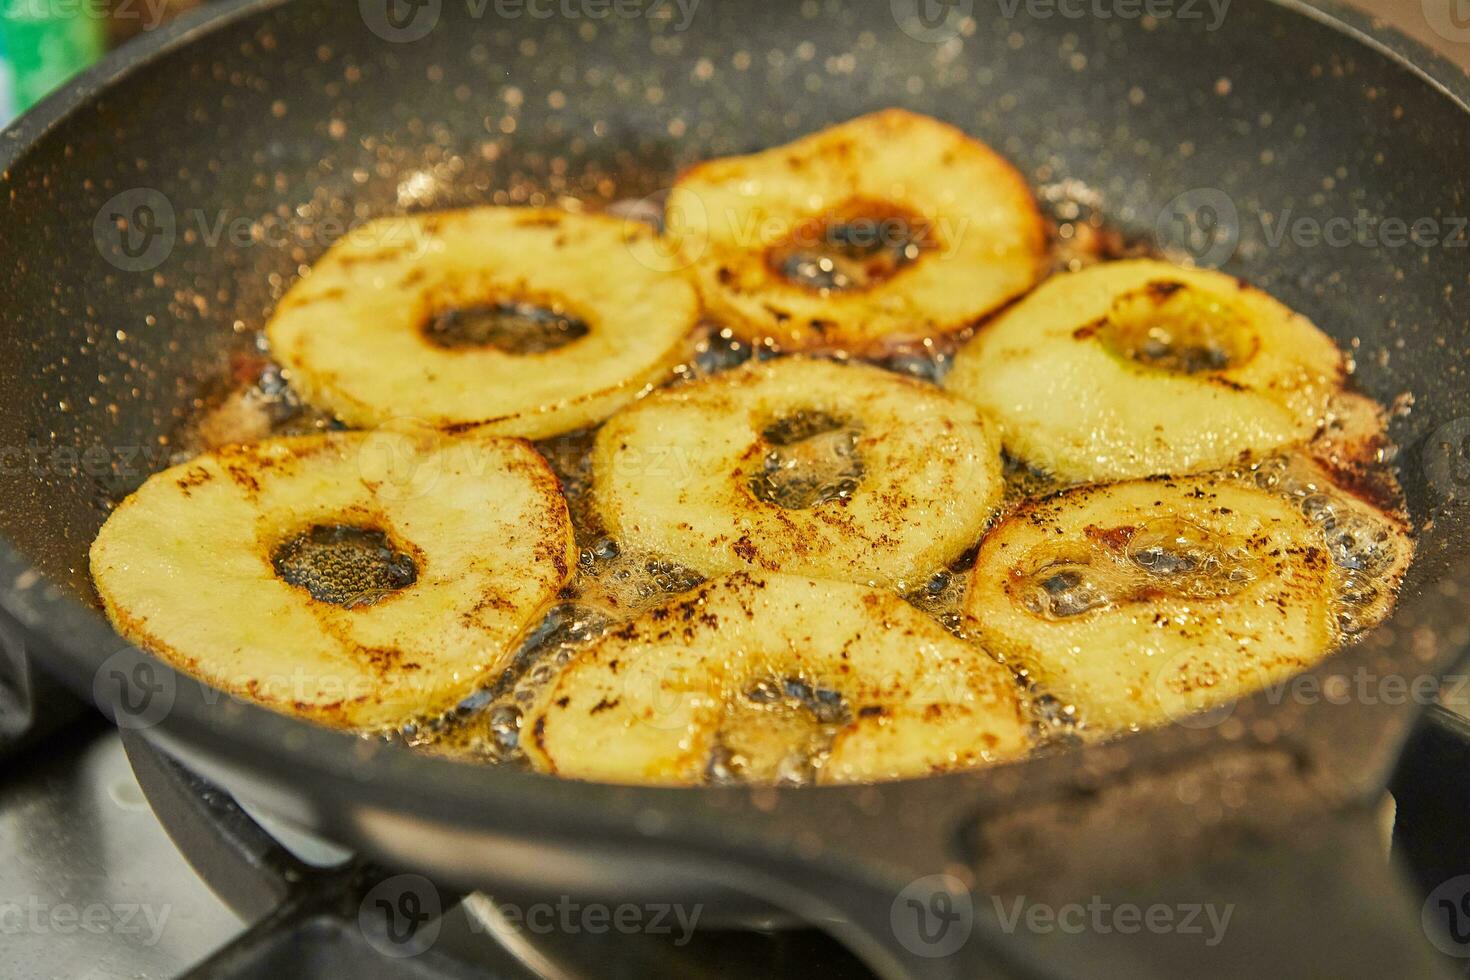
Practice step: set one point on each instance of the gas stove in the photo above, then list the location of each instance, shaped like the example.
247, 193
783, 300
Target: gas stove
120, 863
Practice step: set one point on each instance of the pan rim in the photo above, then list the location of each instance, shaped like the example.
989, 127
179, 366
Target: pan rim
332, 765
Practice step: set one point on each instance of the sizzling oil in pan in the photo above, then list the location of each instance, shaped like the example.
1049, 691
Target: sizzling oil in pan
611, 584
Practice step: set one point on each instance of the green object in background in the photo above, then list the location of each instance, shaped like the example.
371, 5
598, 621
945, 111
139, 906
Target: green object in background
42, 44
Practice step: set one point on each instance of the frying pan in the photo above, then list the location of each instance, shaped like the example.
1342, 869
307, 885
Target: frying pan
282, 119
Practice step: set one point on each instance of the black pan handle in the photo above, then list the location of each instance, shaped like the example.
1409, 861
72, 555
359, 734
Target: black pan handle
1227, 865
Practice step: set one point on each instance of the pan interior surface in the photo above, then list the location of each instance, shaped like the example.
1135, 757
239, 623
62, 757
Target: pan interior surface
154, 228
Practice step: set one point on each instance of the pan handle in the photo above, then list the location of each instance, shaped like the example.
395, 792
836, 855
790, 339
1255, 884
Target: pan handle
1231, 865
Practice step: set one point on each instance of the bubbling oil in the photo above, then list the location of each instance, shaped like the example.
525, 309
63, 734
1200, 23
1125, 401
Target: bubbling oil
781, 738
781, 728
1365, 549
345, 565
813, 458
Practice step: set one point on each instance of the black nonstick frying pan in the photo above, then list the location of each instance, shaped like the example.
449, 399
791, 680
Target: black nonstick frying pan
235, 142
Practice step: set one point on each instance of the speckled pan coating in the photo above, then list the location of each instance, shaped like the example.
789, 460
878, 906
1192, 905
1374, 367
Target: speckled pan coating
280, 117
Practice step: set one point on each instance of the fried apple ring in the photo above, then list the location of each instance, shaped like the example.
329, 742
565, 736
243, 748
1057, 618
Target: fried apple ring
802, 466
355, 579
528, 321
1147, 601
774, 678
890, 227
1136, 368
